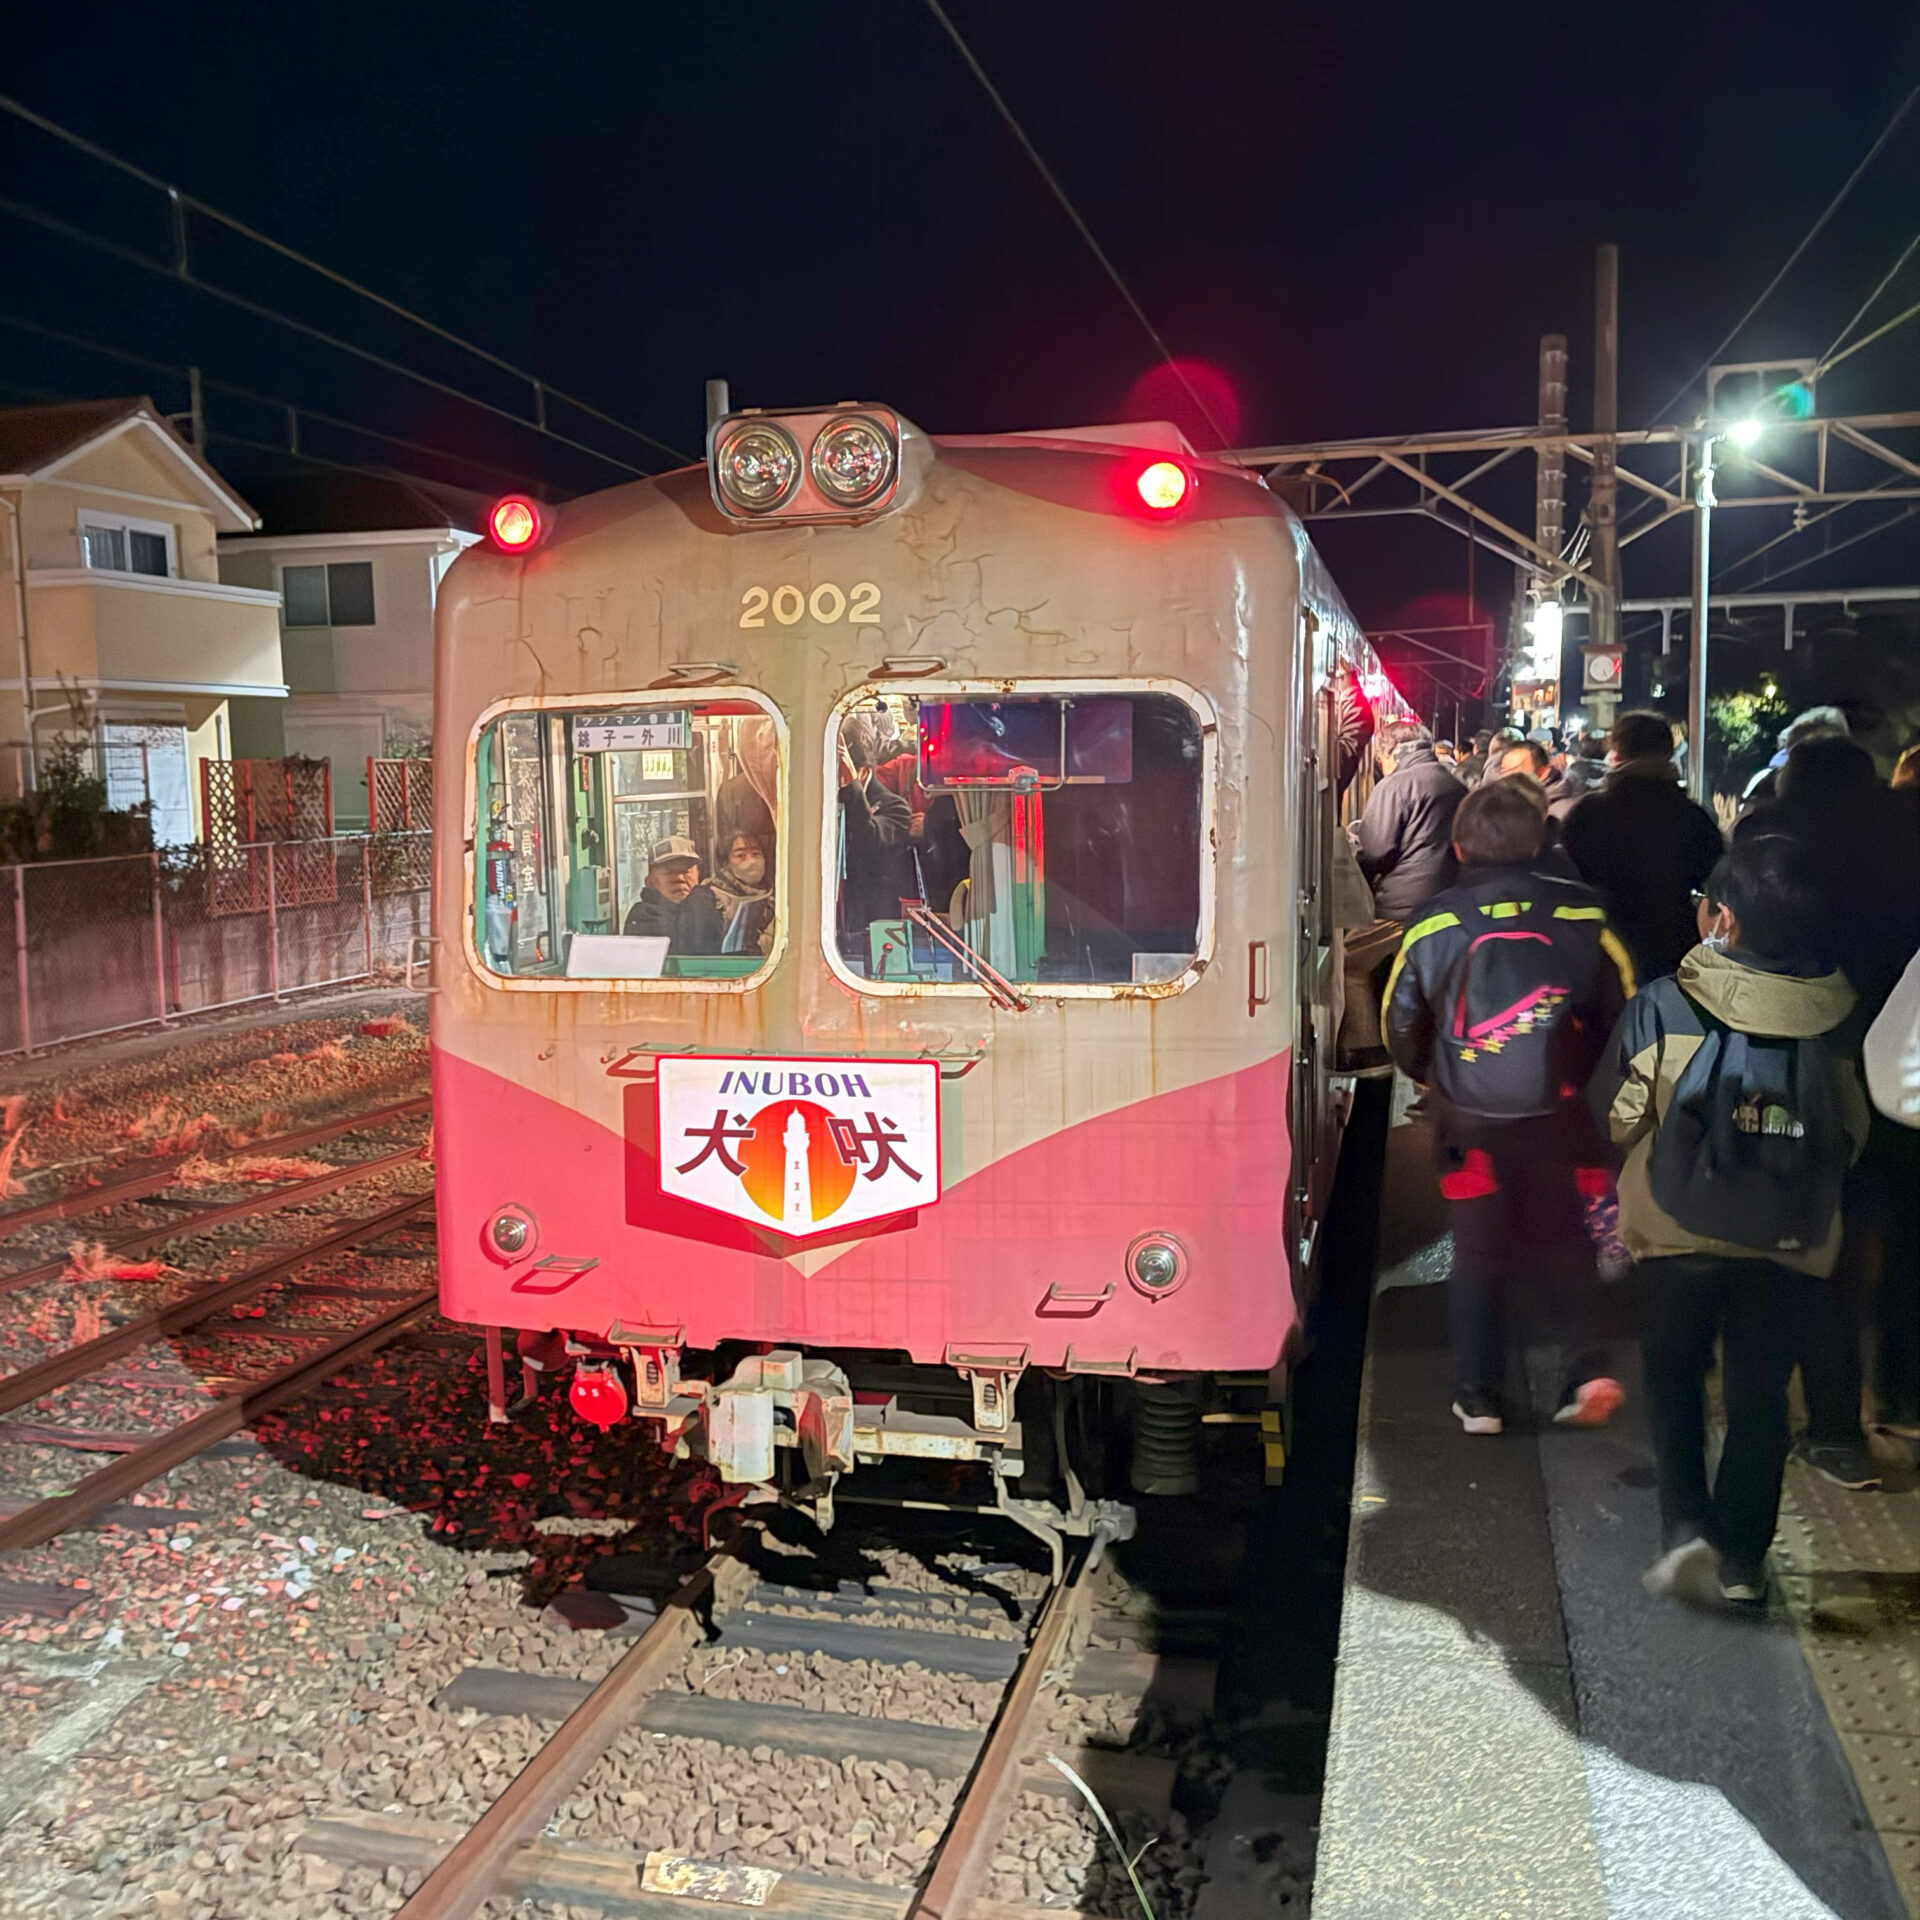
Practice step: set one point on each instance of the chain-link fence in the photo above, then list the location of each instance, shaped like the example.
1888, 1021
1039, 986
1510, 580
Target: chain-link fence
103, 945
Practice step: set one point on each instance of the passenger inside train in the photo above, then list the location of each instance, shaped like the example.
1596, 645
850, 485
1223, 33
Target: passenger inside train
629, 845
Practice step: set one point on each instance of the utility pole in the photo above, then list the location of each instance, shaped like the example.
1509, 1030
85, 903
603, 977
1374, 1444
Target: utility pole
1549, 519
1703, 504
1550, 463
1603, 626
196, 410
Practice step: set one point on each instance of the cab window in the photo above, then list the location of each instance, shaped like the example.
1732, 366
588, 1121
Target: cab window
627, 843
1051, 839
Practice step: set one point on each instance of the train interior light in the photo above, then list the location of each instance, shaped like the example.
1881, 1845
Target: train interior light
515, 523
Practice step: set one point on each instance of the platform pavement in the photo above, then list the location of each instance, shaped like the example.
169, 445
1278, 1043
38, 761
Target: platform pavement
1519, 1731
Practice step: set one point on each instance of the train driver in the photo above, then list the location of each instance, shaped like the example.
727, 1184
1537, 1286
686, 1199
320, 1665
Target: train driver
674, 902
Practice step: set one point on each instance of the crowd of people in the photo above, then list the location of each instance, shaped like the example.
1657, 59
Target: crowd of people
1646, 1047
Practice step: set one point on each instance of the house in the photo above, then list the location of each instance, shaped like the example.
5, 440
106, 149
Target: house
357, 560
117, 633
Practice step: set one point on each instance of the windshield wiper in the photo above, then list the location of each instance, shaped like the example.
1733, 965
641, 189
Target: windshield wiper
1000, 990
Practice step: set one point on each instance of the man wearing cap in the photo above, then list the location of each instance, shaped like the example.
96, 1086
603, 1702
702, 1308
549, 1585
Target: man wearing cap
674, 903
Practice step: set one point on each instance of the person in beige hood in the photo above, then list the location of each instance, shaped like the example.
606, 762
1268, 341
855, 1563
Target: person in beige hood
1738, 1119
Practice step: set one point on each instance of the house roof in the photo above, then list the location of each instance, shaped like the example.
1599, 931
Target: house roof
36, 442
360, 502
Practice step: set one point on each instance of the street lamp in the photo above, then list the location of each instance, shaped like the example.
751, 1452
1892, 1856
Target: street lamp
1697, 666
1744, 434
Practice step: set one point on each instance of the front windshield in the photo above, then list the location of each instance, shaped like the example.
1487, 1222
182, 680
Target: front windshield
1056, 839
627, 843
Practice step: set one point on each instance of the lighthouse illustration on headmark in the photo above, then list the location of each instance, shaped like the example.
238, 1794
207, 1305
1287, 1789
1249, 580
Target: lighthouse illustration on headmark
797, 1190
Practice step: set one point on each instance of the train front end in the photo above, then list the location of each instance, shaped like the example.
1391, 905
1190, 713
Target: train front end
866, 907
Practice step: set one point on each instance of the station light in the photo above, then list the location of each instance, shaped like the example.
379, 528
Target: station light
1544, 624
515, 523
1163, 486
1746, 432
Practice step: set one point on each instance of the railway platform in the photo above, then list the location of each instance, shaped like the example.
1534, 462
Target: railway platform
1520, 1731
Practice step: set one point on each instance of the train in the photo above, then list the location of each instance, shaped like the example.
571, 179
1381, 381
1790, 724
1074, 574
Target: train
885, 960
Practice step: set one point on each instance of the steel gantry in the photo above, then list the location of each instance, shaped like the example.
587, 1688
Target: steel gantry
1796, 465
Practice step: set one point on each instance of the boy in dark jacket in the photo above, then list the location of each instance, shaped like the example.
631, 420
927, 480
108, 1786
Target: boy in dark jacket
1501, 1002
1739, 1119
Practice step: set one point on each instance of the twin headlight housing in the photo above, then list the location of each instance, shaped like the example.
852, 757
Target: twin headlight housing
804, 466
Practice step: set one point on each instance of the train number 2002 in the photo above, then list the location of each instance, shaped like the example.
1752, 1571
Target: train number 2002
859, 604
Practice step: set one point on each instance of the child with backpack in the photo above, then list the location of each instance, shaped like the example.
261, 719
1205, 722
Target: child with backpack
1501, 1003
1739, 1118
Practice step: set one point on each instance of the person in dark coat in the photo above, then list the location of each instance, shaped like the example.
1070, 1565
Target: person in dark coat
876, 839
1353, 725
1532, 758
1645, 845
1472, 765
674, 903
1405, 836
1861, 842
1404, 840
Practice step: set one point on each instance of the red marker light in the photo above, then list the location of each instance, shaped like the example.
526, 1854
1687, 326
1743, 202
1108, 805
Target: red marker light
1163, 486
598, 1395
515, 523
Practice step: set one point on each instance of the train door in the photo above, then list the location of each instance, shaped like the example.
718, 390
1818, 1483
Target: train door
1316, 814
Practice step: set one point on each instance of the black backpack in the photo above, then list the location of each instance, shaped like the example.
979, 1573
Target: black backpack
1755, 1147
1507, 1047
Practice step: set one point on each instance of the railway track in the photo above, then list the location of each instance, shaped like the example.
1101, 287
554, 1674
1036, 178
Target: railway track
208, 1311
157, 1175
513, 1851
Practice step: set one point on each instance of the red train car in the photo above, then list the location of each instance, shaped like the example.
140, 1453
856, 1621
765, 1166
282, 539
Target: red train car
885, 953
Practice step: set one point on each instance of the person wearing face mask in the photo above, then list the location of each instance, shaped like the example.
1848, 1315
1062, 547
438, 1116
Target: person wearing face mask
744, 889
674, 903
1739, 1116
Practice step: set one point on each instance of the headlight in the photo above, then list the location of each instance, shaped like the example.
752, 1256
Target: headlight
511, 1233
852, 460
758, 466
1156, 1263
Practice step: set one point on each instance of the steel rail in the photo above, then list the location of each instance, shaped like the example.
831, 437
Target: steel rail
75, 1363
196, 1223
473, 1868
961, 1866
160, 1174
47, 1519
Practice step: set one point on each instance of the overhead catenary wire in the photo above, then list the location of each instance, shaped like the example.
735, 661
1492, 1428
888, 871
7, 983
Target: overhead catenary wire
132, 257
1867, 340
1072, 212
1812, 234
542, 390
1887, 279
286, 407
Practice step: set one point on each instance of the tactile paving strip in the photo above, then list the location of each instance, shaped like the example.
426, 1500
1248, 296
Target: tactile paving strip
1850, 1570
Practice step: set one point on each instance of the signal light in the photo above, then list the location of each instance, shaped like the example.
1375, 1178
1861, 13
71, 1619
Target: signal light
515, 524
1163, 486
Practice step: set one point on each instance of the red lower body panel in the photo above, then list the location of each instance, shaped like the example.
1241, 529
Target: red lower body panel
1027, 1252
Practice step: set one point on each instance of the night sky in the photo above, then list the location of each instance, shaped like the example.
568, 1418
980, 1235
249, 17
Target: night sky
1365, 216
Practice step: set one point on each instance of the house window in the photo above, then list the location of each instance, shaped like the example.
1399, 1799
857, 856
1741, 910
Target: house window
126, 546
305, 591
340, 595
